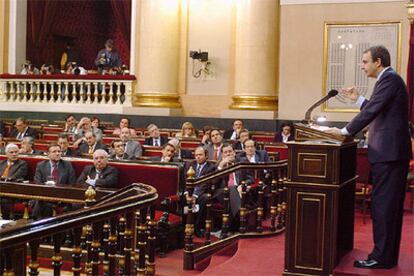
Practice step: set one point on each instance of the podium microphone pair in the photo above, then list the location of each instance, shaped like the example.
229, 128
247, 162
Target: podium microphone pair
331, 94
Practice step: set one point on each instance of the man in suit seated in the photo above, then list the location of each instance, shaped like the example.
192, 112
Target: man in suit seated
252, 155
28, 147
70, 124
52, 171
118, 151
179, 152
243, 136
84, 126
234, 133
201, 167
13, 168
22, 130
132, 148
91, 144
155, 139
168, 152
64, 146
100, 174
214, 149
232, 181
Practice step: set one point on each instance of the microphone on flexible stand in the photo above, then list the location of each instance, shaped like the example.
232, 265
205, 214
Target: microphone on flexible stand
331, 94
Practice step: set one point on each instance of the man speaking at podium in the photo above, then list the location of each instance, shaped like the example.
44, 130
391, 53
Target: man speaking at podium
389, 152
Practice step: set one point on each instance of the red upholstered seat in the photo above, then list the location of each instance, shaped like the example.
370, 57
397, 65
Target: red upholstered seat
280, 148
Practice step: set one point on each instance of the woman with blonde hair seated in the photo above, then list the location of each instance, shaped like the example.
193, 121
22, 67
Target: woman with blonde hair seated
187, 131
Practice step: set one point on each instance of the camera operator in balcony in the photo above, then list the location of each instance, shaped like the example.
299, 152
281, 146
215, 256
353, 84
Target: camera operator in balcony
47, 69
108, 58
29, 69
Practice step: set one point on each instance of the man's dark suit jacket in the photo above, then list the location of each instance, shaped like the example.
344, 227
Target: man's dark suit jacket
387, 116
29, 132
66, 173
17, 171
84, 148
108, 177
186, 154
279, 138
228, 133
112, 156
149, 141
208, 168
70, 152
2, 129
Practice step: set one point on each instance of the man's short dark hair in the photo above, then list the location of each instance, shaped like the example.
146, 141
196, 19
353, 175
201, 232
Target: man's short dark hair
22, 119
380, 52
69, 115
115, 141
51, 145
63, 136
213, 129
225, 145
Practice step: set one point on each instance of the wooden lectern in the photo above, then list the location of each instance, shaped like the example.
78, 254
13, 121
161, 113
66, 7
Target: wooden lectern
320, 212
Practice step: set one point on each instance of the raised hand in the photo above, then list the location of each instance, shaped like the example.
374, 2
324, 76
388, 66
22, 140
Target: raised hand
350, 93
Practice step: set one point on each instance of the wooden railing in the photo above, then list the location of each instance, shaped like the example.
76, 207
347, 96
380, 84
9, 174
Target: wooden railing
276, 193
98, 90
116, 233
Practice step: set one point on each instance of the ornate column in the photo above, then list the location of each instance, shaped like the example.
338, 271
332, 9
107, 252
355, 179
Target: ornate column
256, 62
158, 55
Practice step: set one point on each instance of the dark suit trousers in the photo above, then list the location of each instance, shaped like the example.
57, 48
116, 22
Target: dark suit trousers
389, 185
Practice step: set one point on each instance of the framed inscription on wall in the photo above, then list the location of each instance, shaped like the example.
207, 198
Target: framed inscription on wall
343, 49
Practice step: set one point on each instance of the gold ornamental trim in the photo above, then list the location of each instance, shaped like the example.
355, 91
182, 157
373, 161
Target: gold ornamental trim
255, 103
157, 100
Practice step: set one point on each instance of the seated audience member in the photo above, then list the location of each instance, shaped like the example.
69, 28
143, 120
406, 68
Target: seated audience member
234, 133
107, 58
124, 122
64, 146
2, 144
154, 139
206, 135
201, 167
214, 149
187, 131
363, 143
84, 126
96, 123
100, 174
13, 168
21, 130
47, 69
70, 124
54, 170
179, 152
91, 145
232, 181
29, 69
243, 136
28, 147
132, 148
168, 152
72, 68
252, 155
285, 133
118, 151
2, 133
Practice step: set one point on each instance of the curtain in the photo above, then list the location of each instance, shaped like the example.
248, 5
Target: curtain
410, 75
41, 15
122, 16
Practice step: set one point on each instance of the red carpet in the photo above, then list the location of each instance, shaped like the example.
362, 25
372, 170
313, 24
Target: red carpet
265, 256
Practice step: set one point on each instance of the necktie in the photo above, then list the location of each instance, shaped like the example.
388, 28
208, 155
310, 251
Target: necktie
215, 157
7, 170
198, 171
19, 136
90, 149
156, 143
55, 172
231, 181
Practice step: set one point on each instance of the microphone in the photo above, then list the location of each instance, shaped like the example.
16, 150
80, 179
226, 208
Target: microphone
331, 94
